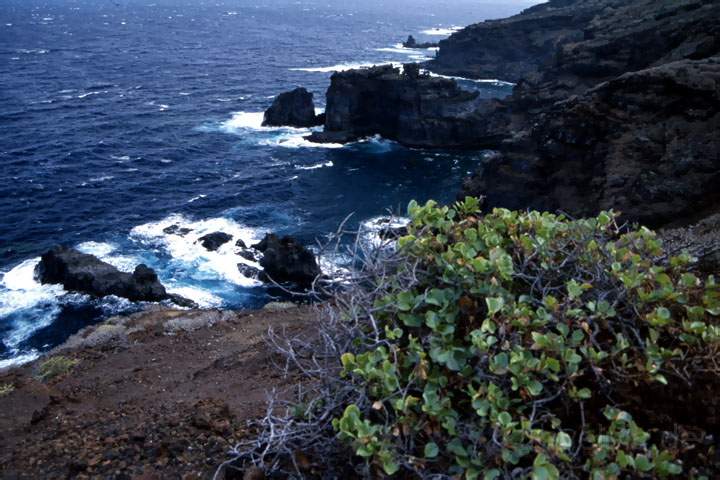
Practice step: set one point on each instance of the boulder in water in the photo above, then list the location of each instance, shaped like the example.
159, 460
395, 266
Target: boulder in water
81, 272
213, 241
285, 260
293, 109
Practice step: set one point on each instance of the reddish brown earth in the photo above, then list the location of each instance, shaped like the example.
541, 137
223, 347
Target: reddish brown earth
160, 394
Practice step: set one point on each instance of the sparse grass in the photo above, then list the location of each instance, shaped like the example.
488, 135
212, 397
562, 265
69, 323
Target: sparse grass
6, 389
56, 367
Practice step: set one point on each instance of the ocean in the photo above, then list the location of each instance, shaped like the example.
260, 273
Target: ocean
121, 118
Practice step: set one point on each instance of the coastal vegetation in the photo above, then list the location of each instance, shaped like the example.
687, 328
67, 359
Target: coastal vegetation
512, 344
55, 367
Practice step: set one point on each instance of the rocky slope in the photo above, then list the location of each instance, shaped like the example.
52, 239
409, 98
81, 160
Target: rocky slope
159, 394
616, 106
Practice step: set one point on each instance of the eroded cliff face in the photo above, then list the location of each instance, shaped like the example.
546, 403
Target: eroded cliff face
414, 109
646, 143
616, 106
514, 48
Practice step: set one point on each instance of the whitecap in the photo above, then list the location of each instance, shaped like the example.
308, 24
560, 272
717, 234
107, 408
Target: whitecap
206, 265
194, 199
123, 158
87, 94
314, 167
100, 179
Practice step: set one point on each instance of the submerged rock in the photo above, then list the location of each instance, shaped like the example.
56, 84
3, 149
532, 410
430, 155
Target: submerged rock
177, 230
213, 241
293, 109
81, 272
285, 260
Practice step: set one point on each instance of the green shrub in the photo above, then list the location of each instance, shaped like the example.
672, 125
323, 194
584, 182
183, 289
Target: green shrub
521, 345
55, 367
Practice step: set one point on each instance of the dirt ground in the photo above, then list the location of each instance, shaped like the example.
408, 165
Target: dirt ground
157, 395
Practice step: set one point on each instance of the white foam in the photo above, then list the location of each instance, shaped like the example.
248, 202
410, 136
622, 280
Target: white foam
371, 229
295, 140
242, 123
314, 167
104, 251
87, 94
443, 32
195, 199
19, 291
22, 291
19, 360
202, 297
220, 264
343, 67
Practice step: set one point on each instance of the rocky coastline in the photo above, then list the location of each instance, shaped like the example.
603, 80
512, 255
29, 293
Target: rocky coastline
616, 105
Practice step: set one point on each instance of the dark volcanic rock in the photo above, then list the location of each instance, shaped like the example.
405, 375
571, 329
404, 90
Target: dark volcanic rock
85, 273
285, 260
177, 230
213, 241
616, 106
414, 109
293, 109
646, 144
248, 271
412, 43
513, 48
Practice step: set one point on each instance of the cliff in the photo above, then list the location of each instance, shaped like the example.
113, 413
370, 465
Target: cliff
616, 106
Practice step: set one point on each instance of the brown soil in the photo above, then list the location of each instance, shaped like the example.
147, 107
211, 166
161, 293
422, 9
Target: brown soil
160, 394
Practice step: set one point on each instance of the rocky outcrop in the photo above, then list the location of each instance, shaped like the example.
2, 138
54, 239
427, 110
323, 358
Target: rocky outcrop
409, 107
646, 143
514, 48
287, 261
616, 106
412, 43
213, 241
293, 109
81, 272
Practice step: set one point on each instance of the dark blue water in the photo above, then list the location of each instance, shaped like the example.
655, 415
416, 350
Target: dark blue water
119, 118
